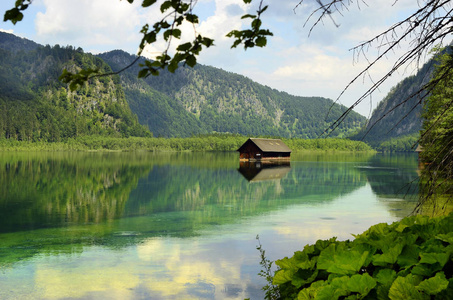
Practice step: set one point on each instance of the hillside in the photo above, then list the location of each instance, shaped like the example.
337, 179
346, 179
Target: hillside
392, 121
206, 99
35, 105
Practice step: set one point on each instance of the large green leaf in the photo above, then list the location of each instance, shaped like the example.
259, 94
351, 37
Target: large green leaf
361, 284
403, 288
448, 238
337, 259
426, 270
409, 256
434, 285
312, 291
335, 290
432, 258
303, 277
386, 276
283, 276
389, 256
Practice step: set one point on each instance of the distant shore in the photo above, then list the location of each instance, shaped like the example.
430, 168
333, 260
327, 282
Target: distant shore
197, 143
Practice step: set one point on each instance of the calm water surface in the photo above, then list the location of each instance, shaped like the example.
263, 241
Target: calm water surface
179, 225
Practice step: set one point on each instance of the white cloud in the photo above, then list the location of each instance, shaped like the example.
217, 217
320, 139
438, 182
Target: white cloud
7, 30
88, 23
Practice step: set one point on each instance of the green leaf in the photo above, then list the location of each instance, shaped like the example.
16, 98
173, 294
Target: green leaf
166, 5
328, 293
361, 284
432, 258
403, 288
283, 276
303, 277
143, 73
256, 24
207, 42
261, 41
147, 3
286, 263
247, 1
434, 285
409, 256
386, 276
191, 60
176, 33
389, 256
184, 47
263, 9
426, 269
192, 18
338, 260
13, 15
339, 286
172, 32
312, 291
448, 238
248, 16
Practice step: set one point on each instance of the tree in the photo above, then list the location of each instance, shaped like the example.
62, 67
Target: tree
437, 133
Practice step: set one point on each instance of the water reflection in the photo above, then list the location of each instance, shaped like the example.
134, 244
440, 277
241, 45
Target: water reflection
176, 225
262, 171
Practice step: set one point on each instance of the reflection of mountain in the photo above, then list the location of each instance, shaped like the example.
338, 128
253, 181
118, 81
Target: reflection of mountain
64, 188
220, 195
259, 171
64, 201
393, 175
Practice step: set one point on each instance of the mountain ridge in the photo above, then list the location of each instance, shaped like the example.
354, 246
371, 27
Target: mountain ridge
222, 101
36, 106
192, 101
398, 115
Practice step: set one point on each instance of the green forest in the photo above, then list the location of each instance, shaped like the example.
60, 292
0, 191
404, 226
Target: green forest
213, 142
36, 106
205, 99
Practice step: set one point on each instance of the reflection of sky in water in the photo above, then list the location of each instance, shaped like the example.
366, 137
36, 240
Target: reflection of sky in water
220, 263
217, 260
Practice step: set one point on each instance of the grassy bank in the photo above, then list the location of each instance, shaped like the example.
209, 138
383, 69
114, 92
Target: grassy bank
198, 143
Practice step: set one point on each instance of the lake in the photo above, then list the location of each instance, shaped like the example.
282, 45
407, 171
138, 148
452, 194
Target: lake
145, 225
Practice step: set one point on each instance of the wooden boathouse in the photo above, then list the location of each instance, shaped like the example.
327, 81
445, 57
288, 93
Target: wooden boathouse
264, 149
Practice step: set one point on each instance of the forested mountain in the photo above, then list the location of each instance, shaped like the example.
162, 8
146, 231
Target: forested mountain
14, 43
35, 105
390, 121
207, 99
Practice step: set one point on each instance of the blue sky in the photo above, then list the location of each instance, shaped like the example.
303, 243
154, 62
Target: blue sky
317, 65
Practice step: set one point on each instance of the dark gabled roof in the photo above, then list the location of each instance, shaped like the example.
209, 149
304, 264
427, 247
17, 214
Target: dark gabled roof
269, 145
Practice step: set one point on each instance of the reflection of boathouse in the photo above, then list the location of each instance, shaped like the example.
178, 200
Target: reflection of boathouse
264, 149
261, 171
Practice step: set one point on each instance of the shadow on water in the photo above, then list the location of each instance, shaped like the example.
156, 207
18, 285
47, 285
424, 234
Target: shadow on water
261, 171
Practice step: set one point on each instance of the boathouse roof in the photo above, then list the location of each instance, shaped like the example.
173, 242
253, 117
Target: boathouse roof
267, 145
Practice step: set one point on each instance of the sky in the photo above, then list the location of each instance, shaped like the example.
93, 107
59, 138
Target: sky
295, 60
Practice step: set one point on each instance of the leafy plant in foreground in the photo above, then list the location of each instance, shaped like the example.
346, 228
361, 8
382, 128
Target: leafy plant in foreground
409, 259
